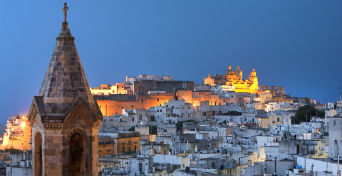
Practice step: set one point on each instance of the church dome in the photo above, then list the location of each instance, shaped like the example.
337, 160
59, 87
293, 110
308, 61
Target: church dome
230, 74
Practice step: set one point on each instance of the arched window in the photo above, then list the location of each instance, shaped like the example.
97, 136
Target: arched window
76, 158
38, 155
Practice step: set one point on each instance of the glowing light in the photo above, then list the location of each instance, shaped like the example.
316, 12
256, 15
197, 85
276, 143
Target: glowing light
18, 133
23, 124
195, 104
235, 81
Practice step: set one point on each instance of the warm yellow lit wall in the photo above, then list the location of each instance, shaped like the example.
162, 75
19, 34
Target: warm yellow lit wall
127, 145
234, 79
18, 134
96, 91
209, 80
196, 98
113, 107
263, 122
106, 147
270, 121
105, 89
245, 86
120, 88
117, 146
319, 150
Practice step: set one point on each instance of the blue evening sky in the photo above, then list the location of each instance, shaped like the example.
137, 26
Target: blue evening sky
292, 43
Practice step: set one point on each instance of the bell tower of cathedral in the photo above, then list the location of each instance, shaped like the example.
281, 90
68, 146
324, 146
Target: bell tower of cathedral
64, 116
238, 72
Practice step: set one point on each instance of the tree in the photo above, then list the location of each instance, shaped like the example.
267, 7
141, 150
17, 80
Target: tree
179, 124
132, 128
233, 113
152, 118
153, 129
304, 114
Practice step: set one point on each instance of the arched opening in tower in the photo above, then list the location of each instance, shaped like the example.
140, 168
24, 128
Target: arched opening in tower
76, 158
38, 155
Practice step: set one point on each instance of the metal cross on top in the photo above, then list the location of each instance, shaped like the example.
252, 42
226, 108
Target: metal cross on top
65, 9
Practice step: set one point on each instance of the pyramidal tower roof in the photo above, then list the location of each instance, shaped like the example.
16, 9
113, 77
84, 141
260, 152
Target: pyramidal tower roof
65, 81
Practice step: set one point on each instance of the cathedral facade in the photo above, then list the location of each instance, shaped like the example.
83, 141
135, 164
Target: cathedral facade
64, 116
233, 81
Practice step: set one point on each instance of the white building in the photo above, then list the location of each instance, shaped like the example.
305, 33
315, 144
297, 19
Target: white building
335, 137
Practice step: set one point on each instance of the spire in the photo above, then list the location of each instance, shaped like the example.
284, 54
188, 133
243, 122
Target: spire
238, 69
65, 9
238, 72
65, 32
65, 80
252, 75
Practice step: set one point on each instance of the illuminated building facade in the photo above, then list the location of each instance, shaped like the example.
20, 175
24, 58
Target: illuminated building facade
18, 134
114, 104
128, 142
123, 143
196, 97
106, 89
233, 81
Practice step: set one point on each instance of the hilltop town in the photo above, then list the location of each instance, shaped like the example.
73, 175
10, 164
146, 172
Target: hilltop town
224, 126
229, 124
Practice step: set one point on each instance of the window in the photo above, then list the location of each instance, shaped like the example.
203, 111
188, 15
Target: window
140, 167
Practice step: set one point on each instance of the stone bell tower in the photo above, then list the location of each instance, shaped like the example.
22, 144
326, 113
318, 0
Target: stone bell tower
64, 116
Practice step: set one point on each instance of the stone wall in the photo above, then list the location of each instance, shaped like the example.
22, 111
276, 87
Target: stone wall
143, 86
197, 97
113, 106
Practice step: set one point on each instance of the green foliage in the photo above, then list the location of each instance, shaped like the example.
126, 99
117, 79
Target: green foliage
234, 113
304, 114
132, 128
179, 124
152, 118
153, 129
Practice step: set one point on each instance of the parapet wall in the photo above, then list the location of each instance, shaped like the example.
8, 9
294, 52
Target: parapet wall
113, 106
